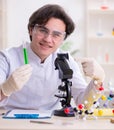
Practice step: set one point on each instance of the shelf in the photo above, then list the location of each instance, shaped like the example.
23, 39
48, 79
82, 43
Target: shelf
108, 64
99, 38
94, 37
99, 11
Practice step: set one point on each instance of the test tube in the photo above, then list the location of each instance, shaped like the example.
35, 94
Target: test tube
25, 54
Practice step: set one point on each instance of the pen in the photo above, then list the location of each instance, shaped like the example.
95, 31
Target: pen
41, 122
27, 116
25, 53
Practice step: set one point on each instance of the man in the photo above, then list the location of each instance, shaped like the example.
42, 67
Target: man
34, 85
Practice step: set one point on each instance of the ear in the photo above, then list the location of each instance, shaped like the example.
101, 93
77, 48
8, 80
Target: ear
30, 31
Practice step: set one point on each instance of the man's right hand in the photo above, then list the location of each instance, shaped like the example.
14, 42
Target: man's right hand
17, 80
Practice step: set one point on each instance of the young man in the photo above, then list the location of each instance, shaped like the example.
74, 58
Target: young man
33, 86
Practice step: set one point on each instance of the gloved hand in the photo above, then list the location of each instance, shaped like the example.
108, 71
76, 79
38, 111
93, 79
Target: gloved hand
17, 80
92, 69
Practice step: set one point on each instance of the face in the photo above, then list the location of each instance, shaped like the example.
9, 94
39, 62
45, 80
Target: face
46, 39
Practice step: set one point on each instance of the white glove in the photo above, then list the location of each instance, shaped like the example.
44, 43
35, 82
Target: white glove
17, 80
92, 69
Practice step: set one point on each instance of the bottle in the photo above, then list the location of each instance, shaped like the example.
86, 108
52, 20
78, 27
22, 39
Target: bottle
99, 31
104, 5
113, 31
107, 57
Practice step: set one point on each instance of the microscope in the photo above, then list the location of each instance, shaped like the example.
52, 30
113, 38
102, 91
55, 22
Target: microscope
65, 73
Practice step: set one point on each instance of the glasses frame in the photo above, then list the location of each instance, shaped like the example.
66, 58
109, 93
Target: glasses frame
45, 32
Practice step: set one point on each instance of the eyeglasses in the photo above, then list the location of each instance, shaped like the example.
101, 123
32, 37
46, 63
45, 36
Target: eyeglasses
45, 32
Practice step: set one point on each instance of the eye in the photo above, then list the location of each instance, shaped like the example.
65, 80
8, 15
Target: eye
43, 30
57, 34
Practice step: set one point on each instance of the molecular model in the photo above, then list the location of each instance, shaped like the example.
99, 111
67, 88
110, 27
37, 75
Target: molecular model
104, 106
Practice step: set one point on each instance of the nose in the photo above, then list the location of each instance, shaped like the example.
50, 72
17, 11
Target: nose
48, 37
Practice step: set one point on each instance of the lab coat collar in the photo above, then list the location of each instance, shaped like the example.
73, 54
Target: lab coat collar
34, 57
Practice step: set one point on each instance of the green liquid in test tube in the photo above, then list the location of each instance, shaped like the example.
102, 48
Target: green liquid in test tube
25, 53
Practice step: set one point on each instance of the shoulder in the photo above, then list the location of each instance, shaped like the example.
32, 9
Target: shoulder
10, 51
10, 55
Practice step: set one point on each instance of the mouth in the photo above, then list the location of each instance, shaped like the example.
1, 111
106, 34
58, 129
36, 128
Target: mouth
45, 46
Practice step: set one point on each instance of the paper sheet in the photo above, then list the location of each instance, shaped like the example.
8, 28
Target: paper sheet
41, 114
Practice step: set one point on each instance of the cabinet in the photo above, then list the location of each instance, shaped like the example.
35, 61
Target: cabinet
100, 35
3, 32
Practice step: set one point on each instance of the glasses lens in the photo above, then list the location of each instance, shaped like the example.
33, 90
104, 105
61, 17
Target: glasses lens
41, 30
58, 35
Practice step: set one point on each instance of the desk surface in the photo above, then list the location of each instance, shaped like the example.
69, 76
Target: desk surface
59, 123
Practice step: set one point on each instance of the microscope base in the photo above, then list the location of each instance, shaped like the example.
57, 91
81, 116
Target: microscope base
61, 112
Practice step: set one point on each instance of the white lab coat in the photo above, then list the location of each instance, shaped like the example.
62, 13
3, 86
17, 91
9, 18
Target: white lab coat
43, 84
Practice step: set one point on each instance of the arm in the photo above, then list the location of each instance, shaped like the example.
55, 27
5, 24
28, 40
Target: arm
2, 96
91, 94
92, 69
16, 81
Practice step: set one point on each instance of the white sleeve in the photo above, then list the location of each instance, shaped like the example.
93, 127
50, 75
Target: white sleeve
3, 74
78, 82
4, 101
4, 67
91, 94
0, 94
